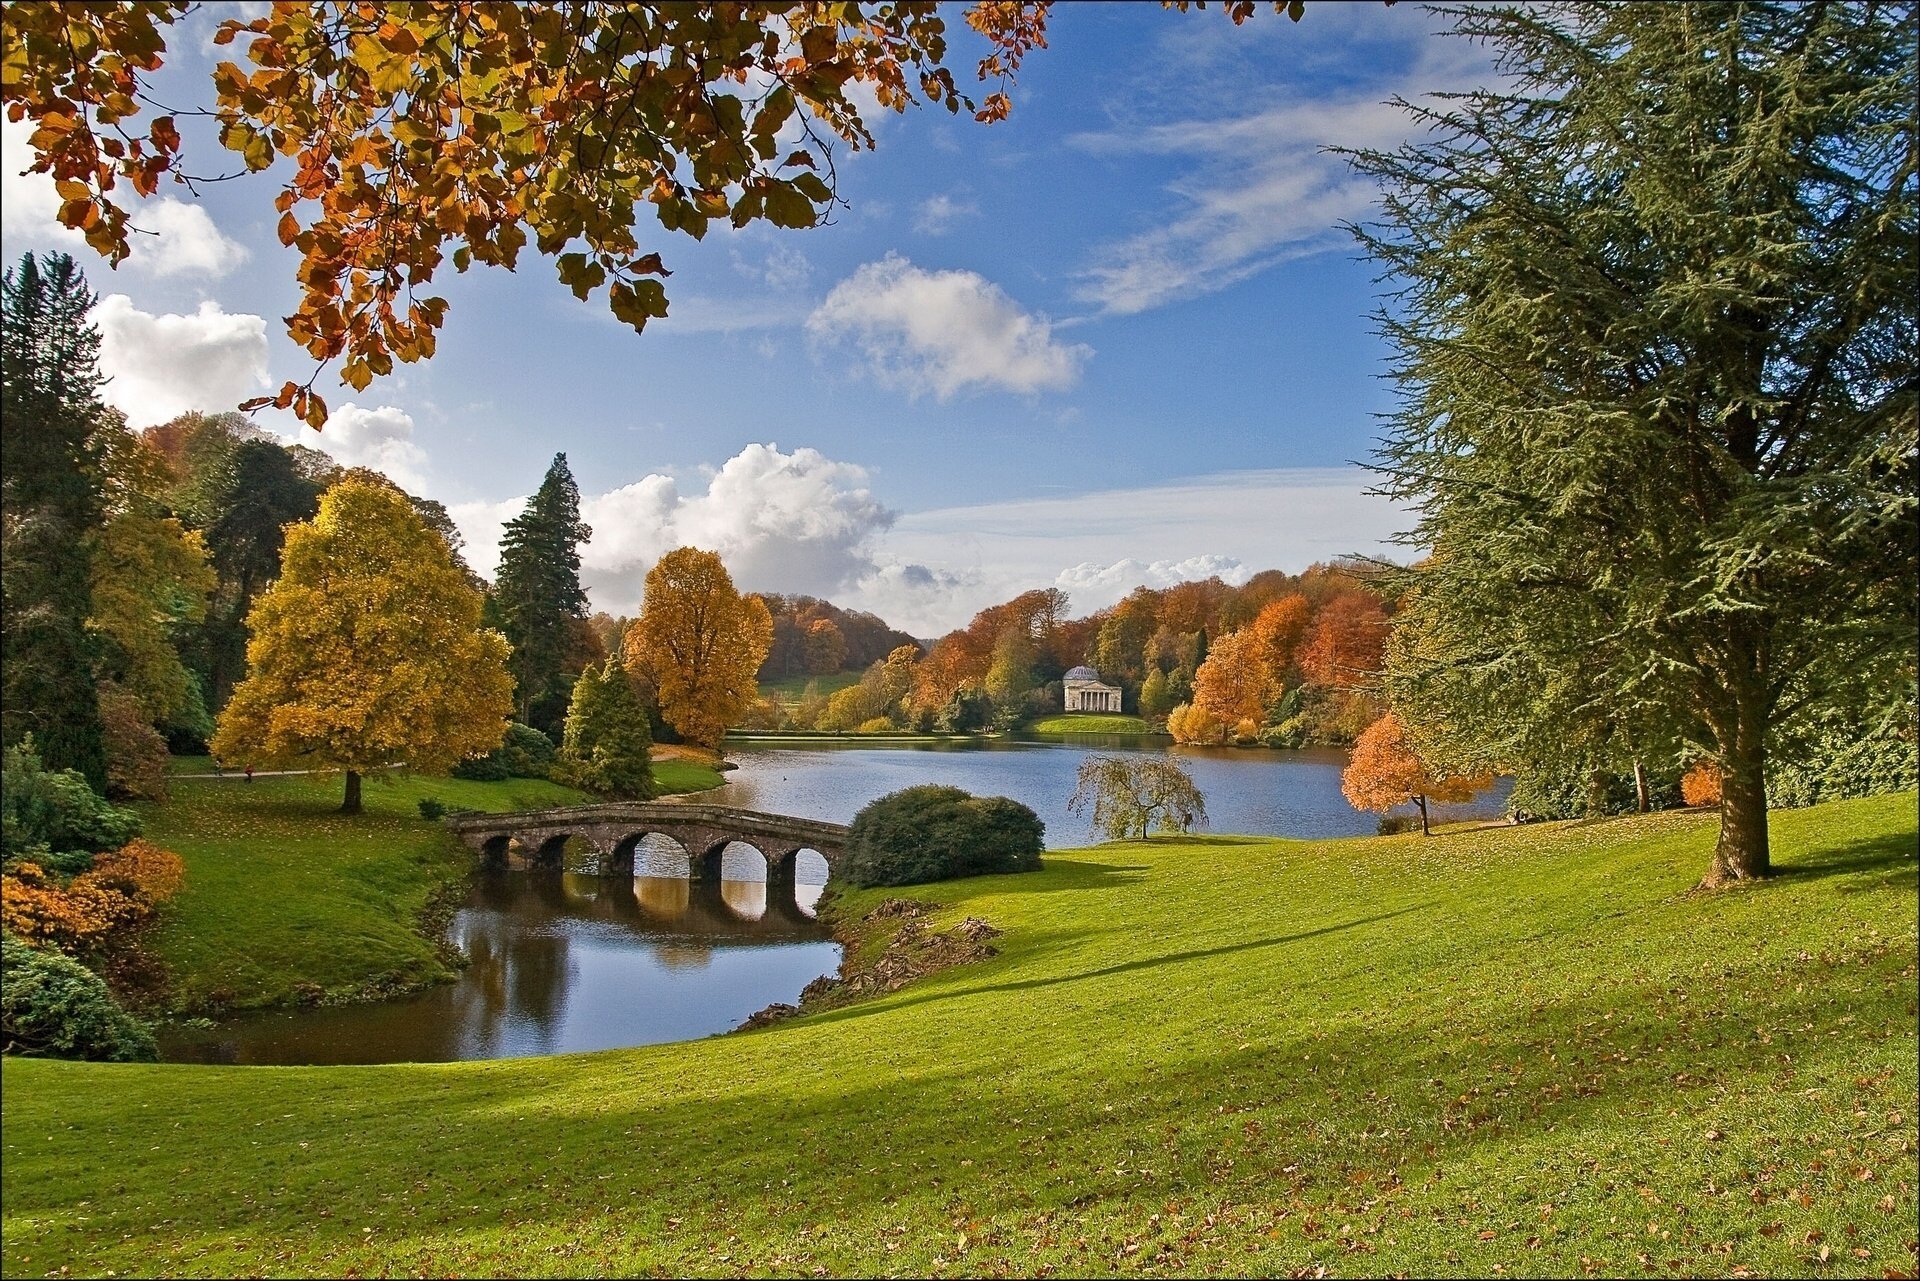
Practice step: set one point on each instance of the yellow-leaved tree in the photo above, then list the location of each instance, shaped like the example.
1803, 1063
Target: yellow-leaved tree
700, 643
367, 650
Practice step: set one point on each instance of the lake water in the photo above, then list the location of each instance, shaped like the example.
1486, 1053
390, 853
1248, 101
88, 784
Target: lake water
1257, 792
568, 961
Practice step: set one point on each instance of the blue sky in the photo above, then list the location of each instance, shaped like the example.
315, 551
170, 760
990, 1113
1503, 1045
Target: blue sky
1116, 339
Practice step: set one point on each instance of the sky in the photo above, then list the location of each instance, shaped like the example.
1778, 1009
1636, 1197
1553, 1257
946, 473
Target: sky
1118, 339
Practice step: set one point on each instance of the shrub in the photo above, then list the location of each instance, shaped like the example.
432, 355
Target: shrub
136, 752
431, 810
1701, 784
936, 833
524, 753
120, 890
1395, 824
877, 725
54, 811
51, 1004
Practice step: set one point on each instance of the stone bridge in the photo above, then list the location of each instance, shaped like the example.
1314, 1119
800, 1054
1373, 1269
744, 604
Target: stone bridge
538, 837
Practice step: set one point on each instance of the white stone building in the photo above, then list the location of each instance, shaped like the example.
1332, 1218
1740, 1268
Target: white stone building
1082, 690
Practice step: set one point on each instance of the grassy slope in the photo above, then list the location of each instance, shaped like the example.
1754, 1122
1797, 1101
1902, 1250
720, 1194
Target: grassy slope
791, 689
1091, 723
1526, 1047
281, 890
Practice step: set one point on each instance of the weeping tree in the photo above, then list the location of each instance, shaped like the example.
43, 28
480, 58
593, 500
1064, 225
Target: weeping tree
1655, 329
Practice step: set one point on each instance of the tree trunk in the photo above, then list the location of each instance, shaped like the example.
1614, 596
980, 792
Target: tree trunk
1642, 803
352, 804
1742, 854
1421, 801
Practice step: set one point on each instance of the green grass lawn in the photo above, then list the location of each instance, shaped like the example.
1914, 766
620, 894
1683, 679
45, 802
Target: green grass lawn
791, 689
1531, 1049
1092, 723
281, 890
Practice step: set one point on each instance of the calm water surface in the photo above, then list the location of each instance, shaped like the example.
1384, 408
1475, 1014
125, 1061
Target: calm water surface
561, 962
1260, 792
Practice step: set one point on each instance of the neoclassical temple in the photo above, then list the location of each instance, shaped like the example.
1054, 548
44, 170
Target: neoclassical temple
1084, 691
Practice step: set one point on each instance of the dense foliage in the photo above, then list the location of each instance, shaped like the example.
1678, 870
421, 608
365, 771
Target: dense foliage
1656, 334
52, 817
52, 1005
119, 891
937, 833
1386, 770
368, 650
607, 748
538, 599
524, 753
698, 644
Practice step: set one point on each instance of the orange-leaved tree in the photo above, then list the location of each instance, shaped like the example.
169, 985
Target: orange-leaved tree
1279, 628
412, 133
1386, 771
367, 650
1235, 683
700, 644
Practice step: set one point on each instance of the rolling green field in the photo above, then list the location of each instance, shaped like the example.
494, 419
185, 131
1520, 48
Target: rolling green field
1091, 723
789, 690
1535, 1050
283, 892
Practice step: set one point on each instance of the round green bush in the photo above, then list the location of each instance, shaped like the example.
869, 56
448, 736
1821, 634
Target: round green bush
936, 833
51, 1004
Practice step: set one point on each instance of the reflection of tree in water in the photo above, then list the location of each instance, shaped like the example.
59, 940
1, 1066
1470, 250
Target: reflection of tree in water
515, 976
684, 954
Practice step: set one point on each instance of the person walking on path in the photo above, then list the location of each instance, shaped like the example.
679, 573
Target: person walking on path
249, 773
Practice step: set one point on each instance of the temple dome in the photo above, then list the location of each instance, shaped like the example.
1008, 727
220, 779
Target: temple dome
1082, 674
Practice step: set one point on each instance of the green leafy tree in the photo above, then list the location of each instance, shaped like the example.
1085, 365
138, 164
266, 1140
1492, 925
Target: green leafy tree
538, 595
607, 747
50, 508
1010, 677
1133, 796
1656, 334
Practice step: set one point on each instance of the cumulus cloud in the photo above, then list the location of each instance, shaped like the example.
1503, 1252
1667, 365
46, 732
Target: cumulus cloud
937, 213
1090, 580
160, 366
785, 522
380, 437
173, 237
944, 332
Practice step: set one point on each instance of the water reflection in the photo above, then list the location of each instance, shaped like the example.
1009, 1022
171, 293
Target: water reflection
560, 962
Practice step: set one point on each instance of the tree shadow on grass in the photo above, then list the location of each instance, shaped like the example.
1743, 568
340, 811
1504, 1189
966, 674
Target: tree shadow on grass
1109, 971
1891, 855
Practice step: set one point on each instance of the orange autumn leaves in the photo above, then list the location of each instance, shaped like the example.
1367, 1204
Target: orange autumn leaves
699, 643
1246, 672
119, 891
1386, 771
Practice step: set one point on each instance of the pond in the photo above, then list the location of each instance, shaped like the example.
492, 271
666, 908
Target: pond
560, 962
1252, 791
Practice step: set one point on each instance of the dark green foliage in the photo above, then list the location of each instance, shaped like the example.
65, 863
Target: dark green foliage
50, 505
538, 595
607, 748
937, 833
967, 712
432, 810
524, 753
1846, 756
1559, 790
47, 814
1656, 329
52, 1005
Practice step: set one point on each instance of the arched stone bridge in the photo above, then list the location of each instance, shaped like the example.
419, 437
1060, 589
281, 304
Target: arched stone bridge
615, 832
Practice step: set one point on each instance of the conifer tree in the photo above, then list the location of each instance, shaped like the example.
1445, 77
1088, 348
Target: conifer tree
51, 507
1656, 334
538, 596
607, 747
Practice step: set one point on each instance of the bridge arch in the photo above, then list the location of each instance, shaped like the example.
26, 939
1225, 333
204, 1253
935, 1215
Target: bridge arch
649, 852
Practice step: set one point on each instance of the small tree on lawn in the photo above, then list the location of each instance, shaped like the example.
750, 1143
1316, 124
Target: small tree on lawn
1131, 796
606, 747
367, 650
1385, 771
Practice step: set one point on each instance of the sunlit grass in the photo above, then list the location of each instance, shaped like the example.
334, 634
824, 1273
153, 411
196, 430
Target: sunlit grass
1092, 723
1531, 1049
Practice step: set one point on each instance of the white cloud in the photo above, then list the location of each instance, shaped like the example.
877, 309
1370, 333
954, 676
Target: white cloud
937, 213
172, 237
1099, 546
160, 366
786, 522
783, 268
1260, 188
944, 332
380, 437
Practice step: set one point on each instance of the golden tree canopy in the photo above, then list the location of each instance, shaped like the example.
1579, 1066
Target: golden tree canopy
1385, 771
700, 643
368, 649
1235, 684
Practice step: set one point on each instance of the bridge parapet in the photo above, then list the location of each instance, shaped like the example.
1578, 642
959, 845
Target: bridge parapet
614, 830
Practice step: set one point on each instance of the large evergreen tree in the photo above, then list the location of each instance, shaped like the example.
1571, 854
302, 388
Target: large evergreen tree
51, 507
538, 596
1656, 332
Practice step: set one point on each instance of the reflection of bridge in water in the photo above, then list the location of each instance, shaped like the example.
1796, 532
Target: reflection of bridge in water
707, 913
701, 843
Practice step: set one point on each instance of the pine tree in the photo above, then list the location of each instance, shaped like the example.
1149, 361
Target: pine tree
51, 508
538, 596
607, 747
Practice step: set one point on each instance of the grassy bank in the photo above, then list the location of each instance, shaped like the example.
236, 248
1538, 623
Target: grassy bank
1531, 1048
1091, 723
284, 895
